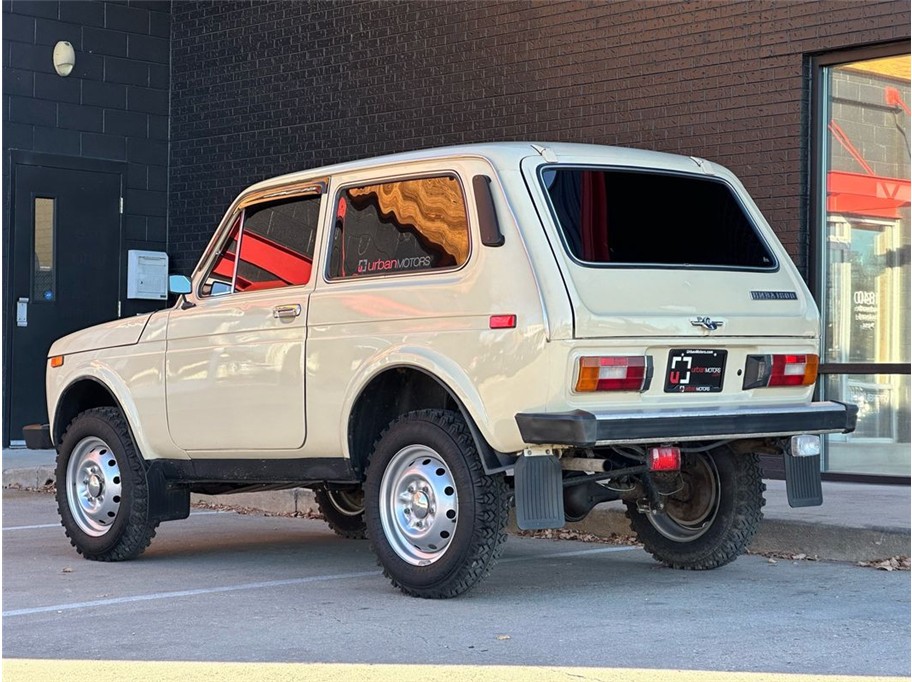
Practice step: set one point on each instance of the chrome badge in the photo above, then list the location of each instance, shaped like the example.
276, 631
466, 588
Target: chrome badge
707, 323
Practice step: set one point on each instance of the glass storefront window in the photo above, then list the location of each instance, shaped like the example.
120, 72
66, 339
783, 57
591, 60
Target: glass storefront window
865, 249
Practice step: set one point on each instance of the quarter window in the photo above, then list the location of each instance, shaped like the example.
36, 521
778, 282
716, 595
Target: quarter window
397, 227
276, 248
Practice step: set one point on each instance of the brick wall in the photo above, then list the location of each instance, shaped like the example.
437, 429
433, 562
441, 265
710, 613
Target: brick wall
266, 88
113, 106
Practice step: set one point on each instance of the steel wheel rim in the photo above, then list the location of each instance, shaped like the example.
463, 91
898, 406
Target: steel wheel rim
94, 486
347, 503
419, 506
682, 522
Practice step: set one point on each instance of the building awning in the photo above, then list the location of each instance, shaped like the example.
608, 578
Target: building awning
866, 195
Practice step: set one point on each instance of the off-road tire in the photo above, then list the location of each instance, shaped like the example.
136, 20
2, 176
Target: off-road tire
340, 513
483, 503
729, 533
131, 530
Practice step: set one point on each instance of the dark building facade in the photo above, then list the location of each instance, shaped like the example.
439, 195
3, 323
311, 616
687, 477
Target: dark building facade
263, 88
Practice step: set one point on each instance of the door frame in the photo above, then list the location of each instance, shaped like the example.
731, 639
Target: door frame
16, 158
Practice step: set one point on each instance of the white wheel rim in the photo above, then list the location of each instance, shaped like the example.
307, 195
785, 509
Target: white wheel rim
93, 486
419, 506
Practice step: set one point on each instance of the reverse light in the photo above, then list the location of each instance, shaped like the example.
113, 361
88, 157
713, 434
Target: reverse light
663, 459
614, 373
56, 361
761, 371
805, 445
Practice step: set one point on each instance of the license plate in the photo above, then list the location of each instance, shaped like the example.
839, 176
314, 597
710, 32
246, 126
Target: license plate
695, 370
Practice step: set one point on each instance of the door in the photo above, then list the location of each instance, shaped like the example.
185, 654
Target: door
65, 262
235, 355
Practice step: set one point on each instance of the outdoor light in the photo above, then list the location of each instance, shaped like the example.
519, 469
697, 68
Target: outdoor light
64, 58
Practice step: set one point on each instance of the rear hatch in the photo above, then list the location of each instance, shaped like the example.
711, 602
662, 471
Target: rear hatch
658, 246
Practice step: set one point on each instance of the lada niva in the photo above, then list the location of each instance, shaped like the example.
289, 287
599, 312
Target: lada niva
428, 338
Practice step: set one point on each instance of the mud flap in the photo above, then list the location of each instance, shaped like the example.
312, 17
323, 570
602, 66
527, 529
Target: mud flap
539, 493
802, 481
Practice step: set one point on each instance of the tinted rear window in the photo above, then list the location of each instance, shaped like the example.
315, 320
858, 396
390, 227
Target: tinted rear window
625, 217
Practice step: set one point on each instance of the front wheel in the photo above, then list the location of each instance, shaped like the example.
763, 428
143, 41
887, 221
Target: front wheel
435, 520
711, 515
102, 492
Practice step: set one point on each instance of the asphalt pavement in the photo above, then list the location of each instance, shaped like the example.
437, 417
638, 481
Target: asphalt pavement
247, 588
857, 522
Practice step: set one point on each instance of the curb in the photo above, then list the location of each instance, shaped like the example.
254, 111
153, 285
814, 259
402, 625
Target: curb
776, 536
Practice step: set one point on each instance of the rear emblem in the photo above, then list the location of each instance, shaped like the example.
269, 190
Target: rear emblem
707, 323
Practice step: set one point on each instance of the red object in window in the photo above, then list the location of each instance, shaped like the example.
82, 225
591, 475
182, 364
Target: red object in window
594, 217
867, 195
893, 98
286, 264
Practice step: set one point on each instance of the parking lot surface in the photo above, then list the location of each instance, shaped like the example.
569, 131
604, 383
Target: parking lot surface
231, 587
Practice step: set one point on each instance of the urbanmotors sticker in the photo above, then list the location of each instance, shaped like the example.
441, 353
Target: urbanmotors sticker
385, 264
774, 296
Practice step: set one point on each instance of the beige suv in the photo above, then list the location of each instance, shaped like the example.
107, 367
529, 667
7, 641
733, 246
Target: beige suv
426, 338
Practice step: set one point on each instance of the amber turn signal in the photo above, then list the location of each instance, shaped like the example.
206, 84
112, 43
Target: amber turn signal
56, 361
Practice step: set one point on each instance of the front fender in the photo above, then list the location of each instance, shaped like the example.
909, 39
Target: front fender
147, 421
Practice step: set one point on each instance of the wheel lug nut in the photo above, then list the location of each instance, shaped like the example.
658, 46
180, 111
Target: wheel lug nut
408, 511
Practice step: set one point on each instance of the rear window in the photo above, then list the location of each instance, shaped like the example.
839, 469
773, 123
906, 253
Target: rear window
614, 217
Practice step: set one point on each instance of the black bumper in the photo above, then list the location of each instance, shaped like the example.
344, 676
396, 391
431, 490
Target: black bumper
581, 428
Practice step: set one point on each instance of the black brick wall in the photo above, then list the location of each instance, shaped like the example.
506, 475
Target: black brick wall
266, 88
113, 106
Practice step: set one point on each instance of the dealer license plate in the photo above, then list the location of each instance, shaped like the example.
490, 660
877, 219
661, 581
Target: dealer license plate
695, 370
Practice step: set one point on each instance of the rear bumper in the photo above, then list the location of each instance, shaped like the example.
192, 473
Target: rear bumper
581, 428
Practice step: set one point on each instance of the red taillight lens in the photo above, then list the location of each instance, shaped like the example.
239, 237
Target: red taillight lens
780, 370
615, 373
663, 459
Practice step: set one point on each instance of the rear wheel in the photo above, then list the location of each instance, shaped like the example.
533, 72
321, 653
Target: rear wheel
435, 520
343, 510
710, 517
102, 493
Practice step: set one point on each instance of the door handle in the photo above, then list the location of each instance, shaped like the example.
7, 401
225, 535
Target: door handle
286, 311
22, 312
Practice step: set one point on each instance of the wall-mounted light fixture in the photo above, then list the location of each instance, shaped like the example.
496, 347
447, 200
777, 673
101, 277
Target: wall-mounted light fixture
64, 58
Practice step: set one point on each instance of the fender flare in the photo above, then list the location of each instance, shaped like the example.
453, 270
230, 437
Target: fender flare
451, 378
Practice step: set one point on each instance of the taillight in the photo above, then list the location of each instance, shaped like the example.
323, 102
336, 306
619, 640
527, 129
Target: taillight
614, 373
761, 371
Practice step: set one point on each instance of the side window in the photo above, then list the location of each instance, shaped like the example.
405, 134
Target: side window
276, 248
403, 226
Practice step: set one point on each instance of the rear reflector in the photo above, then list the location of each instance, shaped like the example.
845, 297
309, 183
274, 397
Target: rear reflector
614, 373
503, 321
663, 459
761, 371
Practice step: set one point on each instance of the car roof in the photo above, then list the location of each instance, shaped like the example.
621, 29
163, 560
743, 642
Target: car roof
503, 156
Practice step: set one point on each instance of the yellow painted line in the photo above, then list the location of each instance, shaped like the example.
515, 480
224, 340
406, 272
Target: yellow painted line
15, 669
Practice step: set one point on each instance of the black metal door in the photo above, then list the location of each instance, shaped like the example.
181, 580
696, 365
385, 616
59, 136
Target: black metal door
66, 272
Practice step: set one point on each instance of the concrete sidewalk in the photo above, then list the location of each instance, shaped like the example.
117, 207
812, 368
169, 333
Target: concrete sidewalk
857, 522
